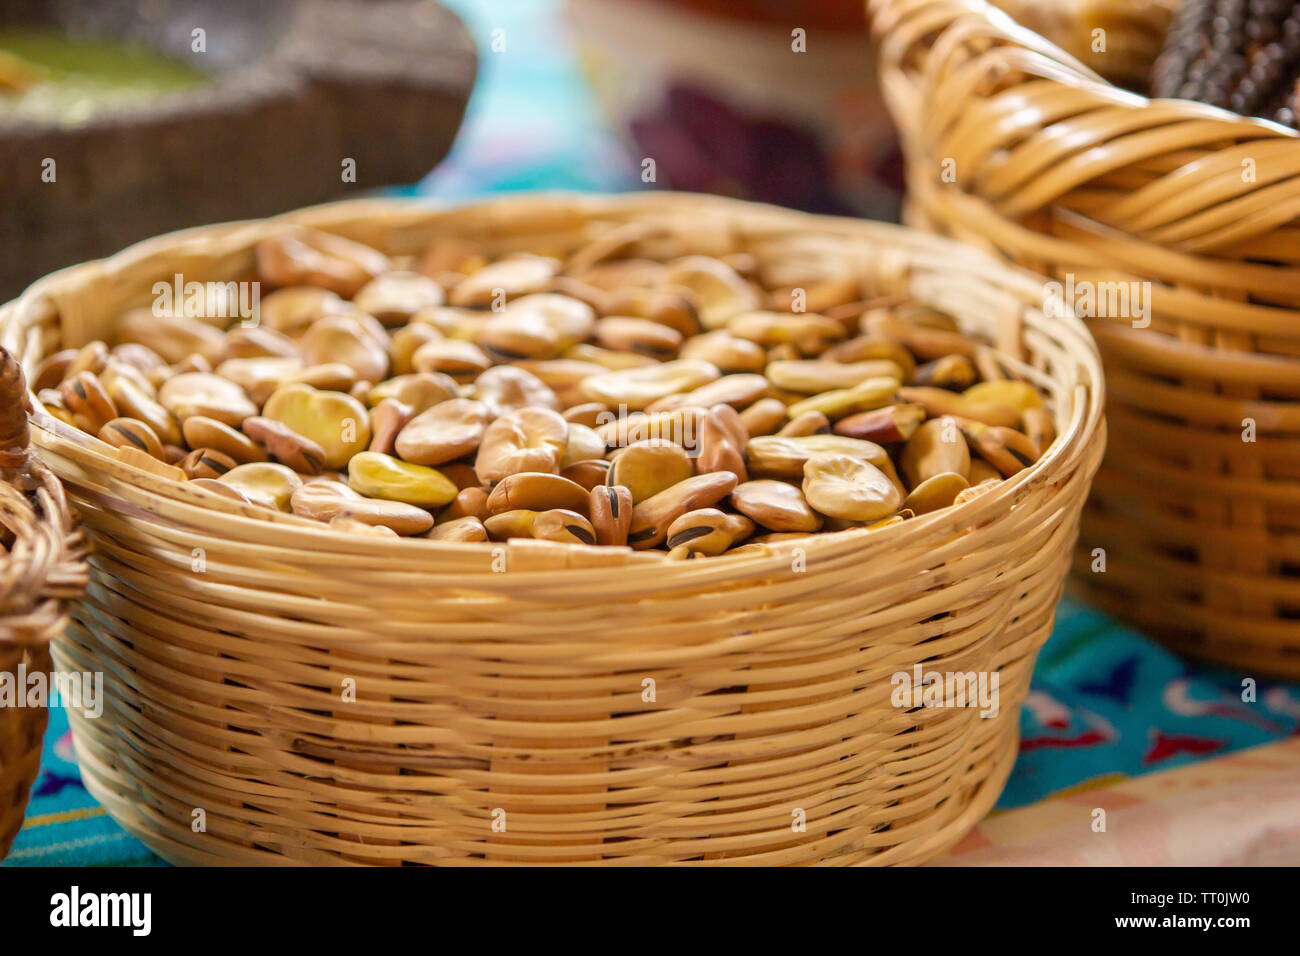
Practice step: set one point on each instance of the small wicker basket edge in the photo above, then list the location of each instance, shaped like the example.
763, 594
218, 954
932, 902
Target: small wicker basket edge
520, 698
42, 567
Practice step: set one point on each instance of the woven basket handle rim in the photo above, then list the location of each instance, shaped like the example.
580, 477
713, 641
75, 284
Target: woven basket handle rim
954, 22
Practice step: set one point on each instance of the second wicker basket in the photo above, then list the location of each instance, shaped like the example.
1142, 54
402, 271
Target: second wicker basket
1174, 228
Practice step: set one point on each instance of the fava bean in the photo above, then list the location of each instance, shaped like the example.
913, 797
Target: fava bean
530, 439
557, 524
382, 476
610, 507
853, 489
631, 391
335, 421
649, 467
936, 447
776, 505
131, 431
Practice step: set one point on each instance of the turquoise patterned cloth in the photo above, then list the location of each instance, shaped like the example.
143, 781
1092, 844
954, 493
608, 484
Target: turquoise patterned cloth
1105, 702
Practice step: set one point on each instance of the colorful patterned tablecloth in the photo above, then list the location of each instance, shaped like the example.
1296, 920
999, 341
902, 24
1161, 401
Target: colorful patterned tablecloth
1106, 703
1238, 809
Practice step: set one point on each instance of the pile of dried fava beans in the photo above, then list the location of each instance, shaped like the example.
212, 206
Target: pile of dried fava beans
678, 404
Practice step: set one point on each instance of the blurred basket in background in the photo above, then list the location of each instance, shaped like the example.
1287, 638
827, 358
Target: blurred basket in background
42, 565
1015, 147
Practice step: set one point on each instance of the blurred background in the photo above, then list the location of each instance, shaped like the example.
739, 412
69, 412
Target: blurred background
772, 100
160, 114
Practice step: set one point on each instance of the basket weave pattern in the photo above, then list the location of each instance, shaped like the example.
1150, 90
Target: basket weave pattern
511, 684
42, 566
1054, 169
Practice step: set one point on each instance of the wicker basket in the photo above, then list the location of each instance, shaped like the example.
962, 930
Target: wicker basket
544, 703
1016, 148
42, 564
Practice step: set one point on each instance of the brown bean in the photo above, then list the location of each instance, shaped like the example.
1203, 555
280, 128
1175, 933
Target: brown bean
327, 501
664, 306
291, 311
52, 370
504, 389
131, 431
504, 279
681, 427
589, 474
258, 342
937, 491
206, 463
443, 433
806, 333
420, 390
203, 432
86, 399
805, 423
174, 337
637, 388
652, 517
286, 445
852, 489
646, 337
510, 524
953, 372
771, 456
468, 503
1006, 449
536, 491
308, 257
776, 505
387, 419
728, 352
405, 342
938, 402
557, 524
463, 361
648, 467
465, 529
884, 426
393, 297
708, 531
530, 439
814, 376
342, 339
764, 417
134, 401
922, 341
718, 449
610, 507
587, 413
737, 391
206, 394
717, 291
867, 348
937, 446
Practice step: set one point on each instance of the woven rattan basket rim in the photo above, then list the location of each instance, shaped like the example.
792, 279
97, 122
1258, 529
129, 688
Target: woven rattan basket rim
376, 217
46, 562
961, 20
